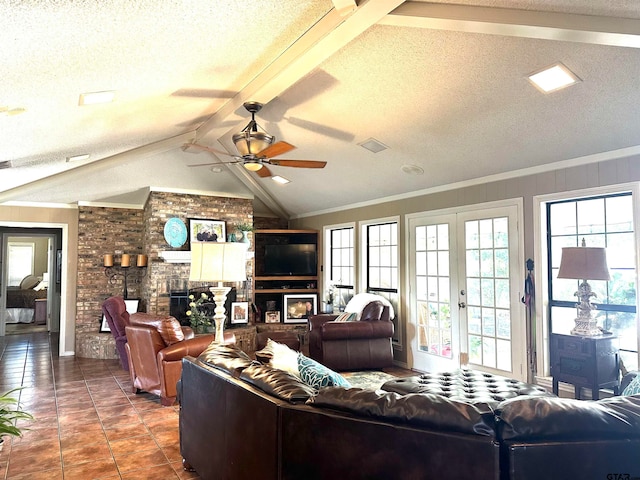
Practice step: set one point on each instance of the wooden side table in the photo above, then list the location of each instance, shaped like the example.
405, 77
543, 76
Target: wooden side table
585, 362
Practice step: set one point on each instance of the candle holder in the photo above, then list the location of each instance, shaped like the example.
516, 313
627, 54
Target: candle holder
112, 272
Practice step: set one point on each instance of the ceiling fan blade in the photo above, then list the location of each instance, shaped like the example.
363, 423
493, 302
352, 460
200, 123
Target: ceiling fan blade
264, 172
276, 149
298, 163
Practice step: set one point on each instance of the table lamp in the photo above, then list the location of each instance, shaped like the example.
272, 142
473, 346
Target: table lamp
582, 263
218, 262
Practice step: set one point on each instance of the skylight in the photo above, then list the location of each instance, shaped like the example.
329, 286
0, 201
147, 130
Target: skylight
553, 78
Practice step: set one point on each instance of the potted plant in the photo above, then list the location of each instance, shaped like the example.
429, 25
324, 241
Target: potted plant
244, 228
198, 314
10, 412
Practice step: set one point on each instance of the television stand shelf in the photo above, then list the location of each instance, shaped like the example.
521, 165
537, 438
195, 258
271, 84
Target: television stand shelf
295, 251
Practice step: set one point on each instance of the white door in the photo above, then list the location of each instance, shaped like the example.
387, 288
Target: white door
464, 277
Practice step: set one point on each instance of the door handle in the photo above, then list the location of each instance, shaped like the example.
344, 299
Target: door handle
462, 304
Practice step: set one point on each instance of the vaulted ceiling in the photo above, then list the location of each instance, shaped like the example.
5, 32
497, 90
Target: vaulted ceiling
443, 86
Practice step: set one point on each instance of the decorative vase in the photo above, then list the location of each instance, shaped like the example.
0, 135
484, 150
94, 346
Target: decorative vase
245, 237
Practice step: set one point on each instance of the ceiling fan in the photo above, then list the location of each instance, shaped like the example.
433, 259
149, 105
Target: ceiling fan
256, 148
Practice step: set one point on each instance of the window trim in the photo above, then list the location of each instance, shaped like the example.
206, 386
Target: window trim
326, 251
541, 254
363, 273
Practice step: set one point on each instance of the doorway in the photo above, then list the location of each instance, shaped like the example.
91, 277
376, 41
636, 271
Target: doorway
465, 270
29, 285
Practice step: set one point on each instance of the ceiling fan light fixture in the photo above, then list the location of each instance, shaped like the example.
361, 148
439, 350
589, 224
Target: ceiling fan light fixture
252, 165
251, 143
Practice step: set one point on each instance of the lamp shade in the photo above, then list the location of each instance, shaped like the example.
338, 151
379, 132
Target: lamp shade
584, 263
218, 262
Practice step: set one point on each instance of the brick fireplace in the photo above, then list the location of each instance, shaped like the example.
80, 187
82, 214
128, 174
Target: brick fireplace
103, 230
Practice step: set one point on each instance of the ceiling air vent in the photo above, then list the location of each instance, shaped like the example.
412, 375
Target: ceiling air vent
5, 164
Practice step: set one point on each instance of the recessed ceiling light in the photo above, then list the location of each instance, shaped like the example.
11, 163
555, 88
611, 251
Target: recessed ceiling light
412, 169
77, 158
93, 98
554, 78
373, 145
216, 169
280, 180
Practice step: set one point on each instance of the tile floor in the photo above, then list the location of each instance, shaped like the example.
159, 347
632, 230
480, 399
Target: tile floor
88, 424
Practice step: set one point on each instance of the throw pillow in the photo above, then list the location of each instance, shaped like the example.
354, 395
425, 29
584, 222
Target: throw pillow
29, 282
633, 388
170, 331
317, 375
346, 317
280, 356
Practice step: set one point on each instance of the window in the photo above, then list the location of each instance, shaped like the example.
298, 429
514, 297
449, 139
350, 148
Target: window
20, 262
602, 221
381, 264
341, 264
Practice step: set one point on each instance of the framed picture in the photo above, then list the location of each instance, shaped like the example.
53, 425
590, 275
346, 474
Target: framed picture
298, 308
206, 230
132, 307
272, 316
240, 312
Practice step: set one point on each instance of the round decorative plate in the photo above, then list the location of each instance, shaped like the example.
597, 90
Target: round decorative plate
175, 232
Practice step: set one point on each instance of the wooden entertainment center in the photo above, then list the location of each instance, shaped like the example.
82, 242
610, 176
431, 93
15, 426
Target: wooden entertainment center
276, 276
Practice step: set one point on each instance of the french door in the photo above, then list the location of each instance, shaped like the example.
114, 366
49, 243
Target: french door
465, 273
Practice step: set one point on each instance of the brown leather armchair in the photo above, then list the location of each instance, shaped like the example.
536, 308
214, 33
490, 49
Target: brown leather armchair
155, 348
359, 345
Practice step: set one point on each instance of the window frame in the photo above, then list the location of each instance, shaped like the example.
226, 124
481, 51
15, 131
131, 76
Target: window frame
328, 257
541, 273
397, 340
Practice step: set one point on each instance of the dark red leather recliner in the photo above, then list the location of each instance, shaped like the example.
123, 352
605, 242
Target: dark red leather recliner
115, 311
359, 345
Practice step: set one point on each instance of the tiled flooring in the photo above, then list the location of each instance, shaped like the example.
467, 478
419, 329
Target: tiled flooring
88, 425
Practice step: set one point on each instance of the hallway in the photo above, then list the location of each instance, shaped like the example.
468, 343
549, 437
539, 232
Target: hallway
88, 424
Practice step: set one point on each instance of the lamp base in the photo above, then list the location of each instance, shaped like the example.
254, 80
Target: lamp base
585, 330
219, 297
586, 325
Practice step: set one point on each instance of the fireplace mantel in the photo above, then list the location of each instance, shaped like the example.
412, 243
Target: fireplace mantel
175, 256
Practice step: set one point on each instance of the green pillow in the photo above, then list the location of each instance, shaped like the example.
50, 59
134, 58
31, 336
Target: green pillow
317, 375
633, 388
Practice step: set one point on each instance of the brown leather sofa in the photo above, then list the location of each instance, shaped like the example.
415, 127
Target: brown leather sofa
240, 419
360, 345
155, 348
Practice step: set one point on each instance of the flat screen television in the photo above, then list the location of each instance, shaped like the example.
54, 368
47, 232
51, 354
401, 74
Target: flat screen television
290, 259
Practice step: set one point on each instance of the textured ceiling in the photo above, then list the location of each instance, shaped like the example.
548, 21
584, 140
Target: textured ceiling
443, 86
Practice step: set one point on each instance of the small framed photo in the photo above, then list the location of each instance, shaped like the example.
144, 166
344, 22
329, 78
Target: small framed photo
104, 326
298, 308
206, 230
239, 312
272, 316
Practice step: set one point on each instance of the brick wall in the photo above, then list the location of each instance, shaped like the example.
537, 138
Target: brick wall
117, 231
102, 231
